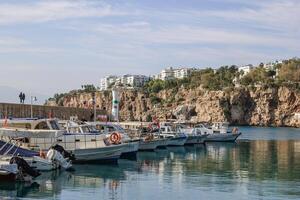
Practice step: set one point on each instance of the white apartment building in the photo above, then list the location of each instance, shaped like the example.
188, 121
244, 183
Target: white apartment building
125, 81
272, 65
245, 69
107, 81
171, 73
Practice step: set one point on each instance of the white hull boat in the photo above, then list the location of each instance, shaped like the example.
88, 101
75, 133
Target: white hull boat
195, 139
8, 172
222, 137
109, 154
163, 142
148, 145
176, 141
130, 150
132, 145
43, 133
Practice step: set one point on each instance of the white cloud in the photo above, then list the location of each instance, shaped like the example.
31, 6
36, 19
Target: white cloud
187, 34
278, 15
48, 10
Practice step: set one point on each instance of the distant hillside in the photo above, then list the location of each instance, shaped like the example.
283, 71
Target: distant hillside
11, 95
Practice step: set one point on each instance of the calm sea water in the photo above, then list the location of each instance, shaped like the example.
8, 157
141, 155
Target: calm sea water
263, 164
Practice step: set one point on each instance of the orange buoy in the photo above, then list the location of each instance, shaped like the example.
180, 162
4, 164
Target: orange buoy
115, 138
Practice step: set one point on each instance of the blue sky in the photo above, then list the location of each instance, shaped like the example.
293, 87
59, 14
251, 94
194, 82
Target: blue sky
51, 46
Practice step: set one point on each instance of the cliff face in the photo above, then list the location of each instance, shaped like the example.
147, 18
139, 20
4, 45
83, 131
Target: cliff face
264, 107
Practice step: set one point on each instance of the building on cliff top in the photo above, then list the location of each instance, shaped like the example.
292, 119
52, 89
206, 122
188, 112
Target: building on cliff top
245, 69
172, 73
128, 81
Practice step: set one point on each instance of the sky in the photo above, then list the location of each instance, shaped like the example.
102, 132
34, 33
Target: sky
51, 46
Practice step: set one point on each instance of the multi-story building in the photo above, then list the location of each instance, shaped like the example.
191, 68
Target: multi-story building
124, 81
245, 69
171, 73
271, 65
107, 81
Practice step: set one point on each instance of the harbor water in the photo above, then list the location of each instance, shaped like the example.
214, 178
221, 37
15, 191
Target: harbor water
263, 164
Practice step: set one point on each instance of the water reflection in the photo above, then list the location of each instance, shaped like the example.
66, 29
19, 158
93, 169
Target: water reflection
246, 169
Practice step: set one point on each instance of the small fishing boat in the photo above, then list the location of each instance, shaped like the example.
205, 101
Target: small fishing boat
175, 138
16, 169
149, 144
109, 129
150, 139
41, 134
219, 132
194, 135
37, 160
8, 172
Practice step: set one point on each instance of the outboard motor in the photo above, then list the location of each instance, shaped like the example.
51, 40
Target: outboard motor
23, 165
63, 152
54, 155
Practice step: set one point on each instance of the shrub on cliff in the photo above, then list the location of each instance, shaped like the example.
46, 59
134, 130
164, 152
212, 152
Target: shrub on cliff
289, 71
258, 76
155, 100
154, 86
214, 79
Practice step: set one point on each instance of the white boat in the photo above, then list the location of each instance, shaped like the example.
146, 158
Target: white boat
41, 134
132, 145
175, 138
149, 145
194, 135
219, 132
15, 168
53, 160
8, 172
222, 137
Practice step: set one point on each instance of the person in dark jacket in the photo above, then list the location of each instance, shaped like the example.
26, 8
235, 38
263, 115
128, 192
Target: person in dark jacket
21, 96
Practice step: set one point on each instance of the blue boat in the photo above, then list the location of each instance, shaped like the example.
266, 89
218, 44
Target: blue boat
12, 149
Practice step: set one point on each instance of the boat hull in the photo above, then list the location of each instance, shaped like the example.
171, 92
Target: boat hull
148, 145
130, 151
195, 139
177, 141
7, 176
109, 154
228, 137
163, 143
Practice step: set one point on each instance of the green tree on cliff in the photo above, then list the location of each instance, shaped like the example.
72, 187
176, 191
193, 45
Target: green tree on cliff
289, 71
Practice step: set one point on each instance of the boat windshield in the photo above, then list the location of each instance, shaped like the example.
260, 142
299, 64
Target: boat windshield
89, 129
42, 126
54, 125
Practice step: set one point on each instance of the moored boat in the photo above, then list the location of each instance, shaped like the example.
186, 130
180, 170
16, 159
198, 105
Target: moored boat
194, 135
41, 134
15, 168
219, 132
175, 137
109, 129
222, 137
37, 160
149, 145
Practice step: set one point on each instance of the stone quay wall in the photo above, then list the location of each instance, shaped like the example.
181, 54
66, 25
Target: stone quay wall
64, 113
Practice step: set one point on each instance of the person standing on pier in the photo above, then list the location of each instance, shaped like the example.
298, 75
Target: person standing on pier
21, 97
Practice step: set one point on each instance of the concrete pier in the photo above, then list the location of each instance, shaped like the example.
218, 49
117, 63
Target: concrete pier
23, 111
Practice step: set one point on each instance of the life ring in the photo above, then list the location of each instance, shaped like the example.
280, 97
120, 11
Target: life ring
115, 138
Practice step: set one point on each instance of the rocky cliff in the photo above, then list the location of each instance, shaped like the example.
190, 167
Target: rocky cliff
242, 106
